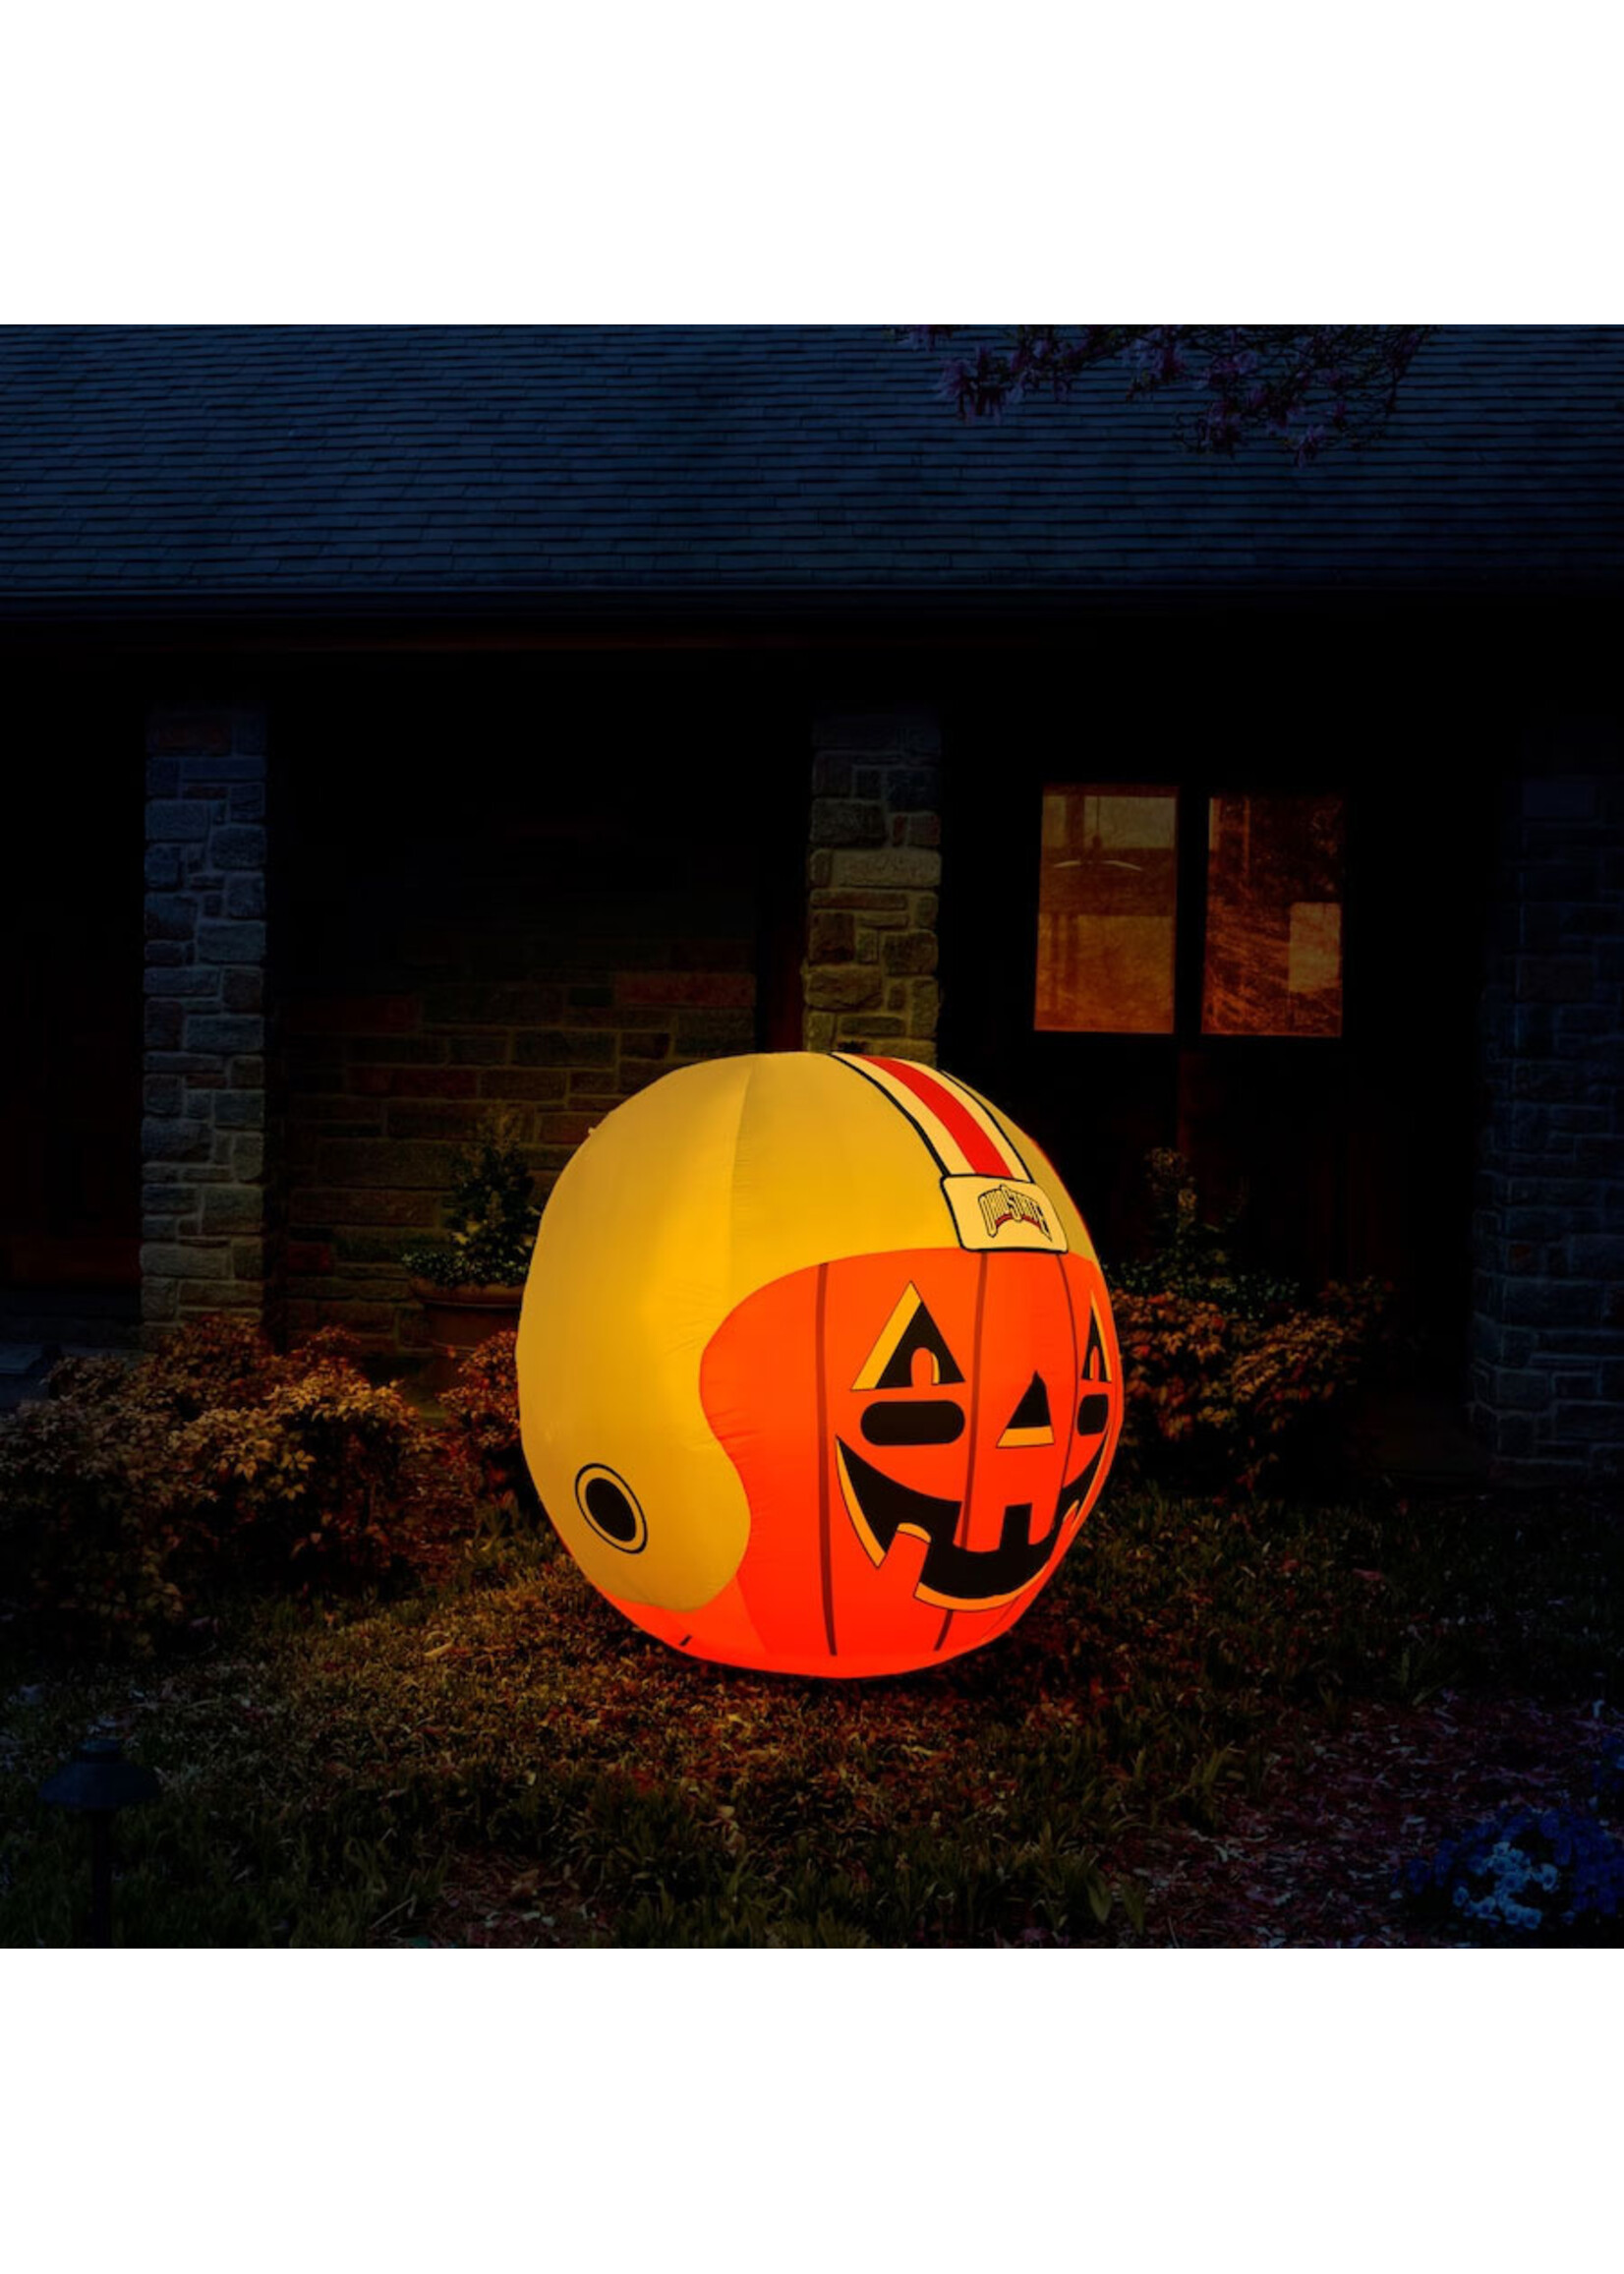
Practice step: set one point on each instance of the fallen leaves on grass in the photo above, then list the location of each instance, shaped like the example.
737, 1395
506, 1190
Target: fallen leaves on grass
1211, 1726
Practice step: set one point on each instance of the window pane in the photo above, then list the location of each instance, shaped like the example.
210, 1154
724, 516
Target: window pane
1274, 916
1108, 883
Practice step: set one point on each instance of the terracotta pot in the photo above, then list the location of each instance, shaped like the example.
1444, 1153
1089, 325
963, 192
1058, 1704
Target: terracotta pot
460, 1319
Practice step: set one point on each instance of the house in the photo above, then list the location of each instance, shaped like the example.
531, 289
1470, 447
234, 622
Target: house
500, 718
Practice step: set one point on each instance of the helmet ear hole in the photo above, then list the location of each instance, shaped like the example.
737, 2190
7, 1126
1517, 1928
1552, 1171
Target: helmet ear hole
612, 1508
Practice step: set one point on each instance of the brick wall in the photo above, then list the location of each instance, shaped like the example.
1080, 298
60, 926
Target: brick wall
874, 876
1547, 1333
205, 1219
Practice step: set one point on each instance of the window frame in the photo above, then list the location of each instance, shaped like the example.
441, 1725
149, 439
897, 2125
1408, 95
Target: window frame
1194, 795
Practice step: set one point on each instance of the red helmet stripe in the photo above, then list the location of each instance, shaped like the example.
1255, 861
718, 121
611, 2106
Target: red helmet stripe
984, 1157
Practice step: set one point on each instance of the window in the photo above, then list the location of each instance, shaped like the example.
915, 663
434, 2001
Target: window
1107, 907
1269, 918
1273, 961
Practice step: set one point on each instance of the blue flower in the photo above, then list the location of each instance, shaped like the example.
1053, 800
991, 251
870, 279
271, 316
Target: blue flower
1523, 1868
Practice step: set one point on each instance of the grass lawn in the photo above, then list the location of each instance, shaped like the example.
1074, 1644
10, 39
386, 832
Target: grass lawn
1216, 1725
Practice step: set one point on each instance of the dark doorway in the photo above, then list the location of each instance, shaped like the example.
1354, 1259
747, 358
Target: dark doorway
70, 1011
512, 887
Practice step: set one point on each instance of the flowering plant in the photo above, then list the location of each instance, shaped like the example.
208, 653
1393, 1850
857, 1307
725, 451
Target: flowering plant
1552, 1873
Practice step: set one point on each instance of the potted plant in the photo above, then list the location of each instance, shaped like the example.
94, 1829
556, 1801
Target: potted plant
471, 1284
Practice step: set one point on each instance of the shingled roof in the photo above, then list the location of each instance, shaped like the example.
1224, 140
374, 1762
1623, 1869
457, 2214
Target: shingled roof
179, 469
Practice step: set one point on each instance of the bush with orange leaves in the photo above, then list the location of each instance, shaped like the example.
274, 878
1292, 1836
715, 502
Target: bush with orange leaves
1232, 1378
1213, 1399
483, 1405
132, 1494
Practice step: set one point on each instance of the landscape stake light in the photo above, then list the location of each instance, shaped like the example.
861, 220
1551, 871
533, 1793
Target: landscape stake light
98, 1781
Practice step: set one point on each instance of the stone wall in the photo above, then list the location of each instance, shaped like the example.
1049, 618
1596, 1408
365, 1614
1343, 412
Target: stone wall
204, 1220
1548, 1335
874, 875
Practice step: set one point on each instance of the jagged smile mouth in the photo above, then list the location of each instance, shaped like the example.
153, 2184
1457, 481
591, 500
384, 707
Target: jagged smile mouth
954, 1577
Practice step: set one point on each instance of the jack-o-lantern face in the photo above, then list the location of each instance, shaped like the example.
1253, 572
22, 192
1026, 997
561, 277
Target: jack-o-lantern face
915, 1396
962, 1411
816, 1369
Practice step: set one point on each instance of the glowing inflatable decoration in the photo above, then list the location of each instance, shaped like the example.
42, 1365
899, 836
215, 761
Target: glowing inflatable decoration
817, 1371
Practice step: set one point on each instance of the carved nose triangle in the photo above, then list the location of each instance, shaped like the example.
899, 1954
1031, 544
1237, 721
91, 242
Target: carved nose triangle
1030, 1422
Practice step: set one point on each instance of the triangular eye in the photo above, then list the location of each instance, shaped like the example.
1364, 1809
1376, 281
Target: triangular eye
1094, 1367
1029, 1423
911, 1327
1094, 1408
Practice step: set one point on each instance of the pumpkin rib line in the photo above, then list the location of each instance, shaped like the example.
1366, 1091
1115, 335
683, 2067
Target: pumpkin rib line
825, 1545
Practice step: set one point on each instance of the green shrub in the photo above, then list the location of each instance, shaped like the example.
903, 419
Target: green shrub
1196, 1259
491, 1216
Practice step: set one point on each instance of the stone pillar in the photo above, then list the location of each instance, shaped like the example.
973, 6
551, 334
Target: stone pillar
1547, 1333
204, 1181
875, 875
